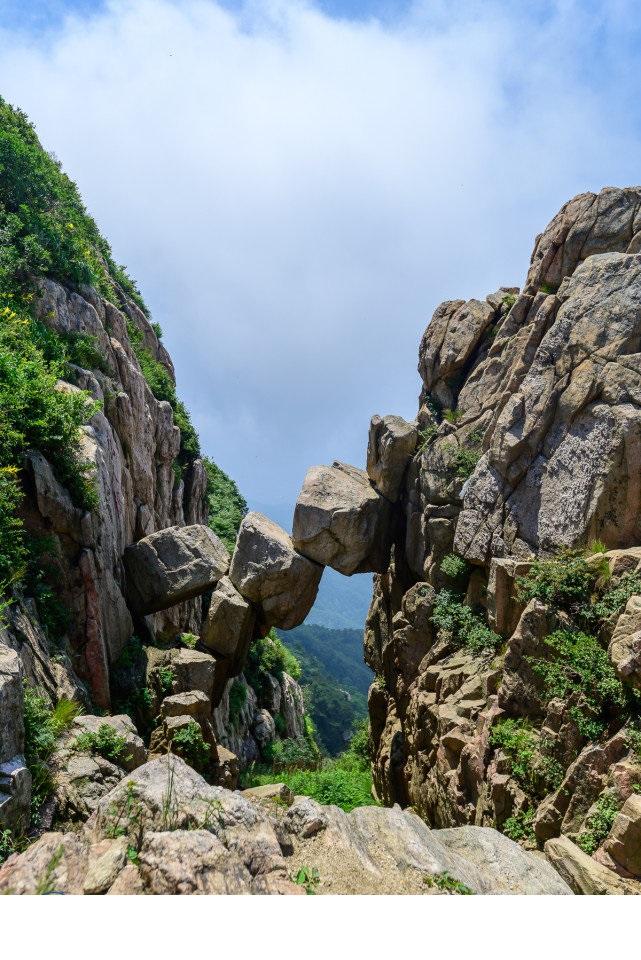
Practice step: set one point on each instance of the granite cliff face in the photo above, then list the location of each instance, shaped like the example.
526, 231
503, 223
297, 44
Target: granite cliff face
530, 429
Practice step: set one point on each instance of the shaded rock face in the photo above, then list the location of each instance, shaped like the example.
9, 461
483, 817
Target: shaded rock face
529, 428
132, 443
15, 779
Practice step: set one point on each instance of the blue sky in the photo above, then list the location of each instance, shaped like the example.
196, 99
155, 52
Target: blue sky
295, 187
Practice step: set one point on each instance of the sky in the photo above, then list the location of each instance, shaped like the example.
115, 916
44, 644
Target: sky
295, 186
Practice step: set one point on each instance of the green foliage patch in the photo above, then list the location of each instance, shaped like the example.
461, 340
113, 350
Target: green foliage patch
189, 744
461, 624
43, 726
105, 741
447, 884
226, 505
599, 823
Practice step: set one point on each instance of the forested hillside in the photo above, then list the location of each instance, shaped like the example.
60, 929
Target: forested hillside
335, 680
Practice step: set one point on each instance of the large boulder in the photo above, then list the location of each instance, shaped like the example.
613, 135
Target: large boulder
582, 873
341, 521
382, 850
268, 571
625, 645
449, 341
623, 845
173, 565
227, 630
391, 445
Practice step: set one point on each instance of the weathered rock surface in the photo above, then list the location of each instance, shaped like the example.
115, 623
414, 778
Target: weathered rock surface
268, 571
377, 850
341, 521
582, 873
15, 779
623, 845
625, 645
391, 445
173, 565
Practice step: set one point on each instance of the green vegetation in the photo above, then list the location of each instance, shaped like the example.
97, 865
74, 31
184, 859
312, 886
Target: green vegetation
447, 884
581, 665
44, 726
508, 301
345, 781
565, 582
462, 625
520, 826
269, 655
189, 640
35, 415
189, 744
454, 567
599, 823
106, 742
334, 678
308, 878
452, 416
7, 844
44, 227
535, 773
46, 883
462, 460
613, 600
237, 698
226, 505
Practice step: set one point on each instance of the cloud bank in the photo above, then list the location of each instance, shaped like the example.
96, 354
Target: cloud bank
295, 192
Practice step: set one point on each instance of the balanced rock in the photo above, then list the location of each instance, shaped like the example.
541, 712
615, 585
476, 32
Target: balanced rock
341, 521
391, 445
267, 570
173, 565
227, 630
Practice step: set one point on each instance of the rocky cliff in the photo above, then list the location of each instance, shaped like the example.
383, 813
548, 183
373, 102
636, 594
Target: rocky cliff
504, 631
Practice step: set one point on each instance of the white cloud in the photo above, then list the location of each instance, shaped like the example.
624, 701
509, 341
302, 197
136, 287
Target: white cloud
295, 194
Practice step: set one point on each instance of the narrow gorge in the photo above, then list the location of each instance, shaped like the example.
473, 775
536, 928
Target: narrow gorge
144, 665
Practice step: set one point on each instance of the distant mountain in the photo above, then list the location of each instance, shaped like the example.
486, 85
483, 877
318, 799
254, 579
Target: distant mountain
335, 679
342, 602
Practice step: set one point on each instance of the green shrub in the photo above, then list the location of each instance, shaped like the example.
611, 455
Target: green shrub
189, 744
291, 754
226, 505
453, 566
189, 640
165, 677
307, 877
564, 582
269, 655
613, 600
519, 741
508, 301
520, 826
43, 727
106, 742
452, 416
7, 845
579, 664
465, 628
599, 823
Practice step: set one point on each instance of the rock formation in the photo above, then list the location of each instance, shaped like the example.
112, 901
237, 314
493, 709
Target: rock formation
503, 528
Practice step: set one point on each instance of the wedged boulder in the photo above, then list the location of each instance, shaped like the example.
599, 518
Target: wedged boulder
227, 630
268, 571
624, 649
342, 522
185, 670
391, 445
582, 873
173, 565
